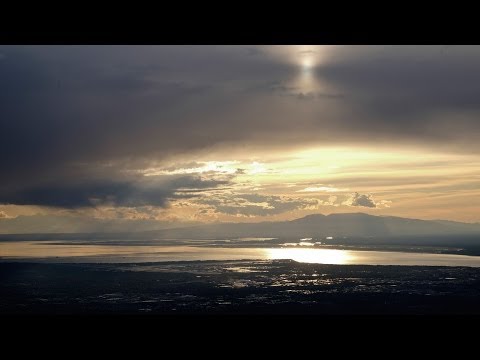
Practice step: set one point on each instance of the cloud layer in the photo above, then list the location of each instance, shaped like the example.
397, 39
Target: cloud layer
256, 204
78, 124
155, 191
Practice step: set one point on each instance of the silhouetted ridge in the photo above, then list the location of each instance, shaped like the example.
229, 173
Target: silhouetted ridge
318, 225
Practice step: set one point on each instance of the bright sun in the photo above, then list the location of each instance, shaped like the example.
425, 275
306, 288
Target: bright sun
307, 64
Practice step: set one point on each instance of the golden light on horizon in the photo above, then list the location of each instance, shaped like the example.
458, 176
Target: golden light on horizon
400, 179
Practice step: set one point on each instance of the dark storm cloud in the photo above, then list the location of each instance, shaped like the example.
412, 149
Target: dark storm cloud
67, 105
85, 104
154, 191
297, 92
183, 166
409, 93
409, 79
253, 51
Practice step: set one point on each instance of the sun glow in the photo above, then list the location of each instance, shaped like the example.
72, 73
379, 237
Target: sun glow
307, 64
316, 256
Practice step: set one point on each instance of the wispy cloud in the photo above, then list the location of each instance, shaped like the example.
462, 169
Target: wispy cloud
322, 189
222, 167
257, 204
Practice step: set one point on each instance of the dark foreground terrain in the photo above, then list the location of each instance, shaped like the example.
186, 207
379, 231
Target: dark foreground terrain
232, 287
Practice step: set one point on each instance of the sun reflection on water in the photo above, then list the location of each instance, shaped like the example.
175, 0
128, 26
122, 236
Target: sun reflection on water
317, 256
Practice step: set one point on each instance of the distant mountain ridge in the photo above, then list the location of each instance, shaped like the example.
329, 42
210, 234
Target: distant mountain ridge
317, 225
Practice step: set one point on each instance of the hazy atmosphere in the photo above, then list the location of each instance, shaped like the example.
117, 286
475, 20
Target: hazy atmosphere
239, 179
96, 137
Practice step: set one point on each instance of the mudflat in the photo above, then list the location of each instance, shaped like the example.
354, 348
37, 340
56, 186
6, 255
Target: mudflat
233, 287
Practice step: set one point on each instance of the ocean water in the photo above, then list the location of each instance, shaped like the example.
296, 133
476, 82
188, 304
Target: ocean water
128, 253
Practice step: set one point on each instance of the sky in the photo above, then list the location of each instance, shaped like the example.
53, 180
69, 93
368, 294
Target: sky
175, 135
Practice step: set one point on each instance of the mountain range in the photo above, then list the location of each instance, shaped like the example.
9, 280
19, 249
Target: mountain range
315, 226
335, 225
